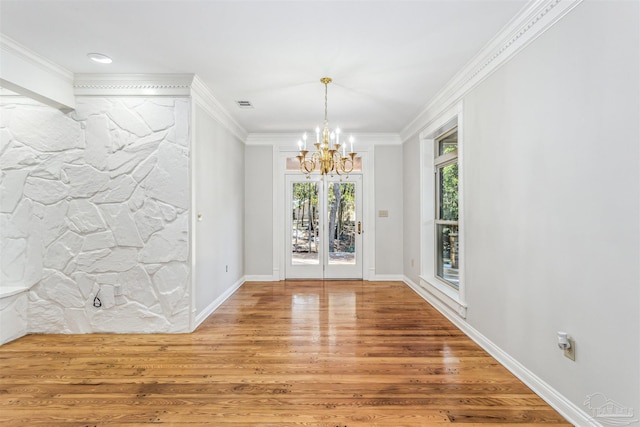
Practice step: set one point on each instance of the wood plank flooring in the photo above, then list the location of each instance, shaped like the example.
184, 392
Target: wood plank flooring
304, 353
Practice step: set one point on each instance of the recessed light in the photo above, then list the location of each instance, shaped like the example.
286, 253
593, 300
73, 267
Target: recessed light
100, 58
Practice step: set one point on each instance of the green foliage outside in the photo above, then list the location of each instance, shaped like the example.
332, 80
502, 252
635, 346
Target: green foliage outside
449, 192
305, 216
341, 225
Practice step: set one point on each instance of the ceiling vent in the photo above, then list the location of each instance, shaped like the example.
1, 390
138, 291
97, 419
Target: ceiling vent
244, 104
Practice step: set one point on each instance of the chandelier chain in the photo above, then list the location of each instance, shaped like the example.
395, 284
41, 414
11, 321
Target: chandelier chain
326, 120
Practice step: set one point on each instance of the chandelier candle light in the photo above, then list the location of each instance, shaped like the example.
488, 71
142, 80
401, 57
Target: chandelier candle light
327, 156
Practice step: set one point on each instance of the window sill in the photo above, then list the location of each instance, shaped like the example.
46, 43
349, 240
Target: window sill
445, 294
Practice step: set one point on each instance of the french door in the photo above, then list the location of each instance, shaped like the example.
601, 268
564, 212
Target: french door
323, 238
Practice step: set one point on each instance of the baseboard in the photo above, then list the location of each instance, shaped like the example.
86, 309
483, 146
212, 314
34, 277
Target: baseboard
566, 408
201, 317
386, 278
260, 278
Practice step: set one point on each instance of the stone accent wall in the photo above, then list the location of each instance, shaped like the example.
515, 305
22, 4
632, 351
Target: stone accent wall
95, 203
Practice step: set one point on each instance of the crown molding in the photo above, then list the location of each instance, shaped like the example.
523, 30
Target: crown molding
30, 74
202, 95
187, 85
288, 140
10, 46
133, 84
534, 19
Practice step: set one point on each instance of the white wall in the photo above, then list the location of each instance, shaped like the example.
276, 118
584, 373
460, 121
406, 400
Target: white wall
552, 187
552, 166
388, 196
93, 200
411, 208
259, 200
218, 165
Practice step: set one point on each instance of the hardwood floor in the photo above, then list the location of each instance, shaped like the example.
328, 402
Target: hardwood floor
344, 353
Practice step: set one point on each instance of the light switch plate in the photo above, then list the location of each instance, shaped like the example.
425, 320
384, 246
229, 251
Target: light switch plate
570, 352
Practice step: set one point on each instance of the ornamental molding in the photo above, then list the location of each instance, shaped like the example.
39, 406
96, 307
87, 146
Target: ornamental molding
534, 19
133, 84
175, 85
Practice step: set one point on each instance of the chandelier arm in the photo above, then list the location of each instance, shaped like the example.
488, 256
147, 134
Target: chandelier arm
307, 167
348, 161
315, 161
337, 161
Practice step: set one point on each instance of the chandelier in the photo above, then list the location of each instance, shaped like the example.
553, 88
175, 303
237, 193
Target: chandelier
327, 157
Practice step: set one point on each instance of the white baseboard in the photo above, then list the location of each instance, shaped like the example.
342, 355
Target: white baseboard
564, 406
386, 278
217, 303
260, 278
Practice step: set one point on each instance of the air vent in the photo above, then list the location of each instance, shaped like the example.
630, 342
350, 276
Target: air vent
244, 104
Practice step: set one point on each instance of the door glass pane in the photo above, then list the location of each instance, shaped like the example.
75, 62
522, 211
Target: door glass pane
304, 223
341, 222
448, 259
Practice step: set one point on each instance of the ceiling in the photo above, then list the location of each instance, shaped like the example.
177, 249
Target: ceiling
387, 58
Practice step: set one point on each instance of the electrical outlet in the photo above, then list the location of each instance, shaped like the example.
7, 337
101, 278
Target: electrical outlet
570, 353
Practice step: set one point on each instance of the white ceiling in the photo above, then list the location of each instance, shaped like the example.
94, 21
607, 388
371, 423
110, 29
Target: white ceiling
387, 58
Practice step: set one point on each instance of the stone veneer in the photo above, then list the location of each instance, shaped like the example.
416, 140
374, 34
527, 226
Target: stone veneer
95, 203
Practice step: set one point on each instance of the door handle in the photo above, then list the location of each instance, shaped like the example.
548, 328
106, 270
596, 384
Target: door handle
359, 227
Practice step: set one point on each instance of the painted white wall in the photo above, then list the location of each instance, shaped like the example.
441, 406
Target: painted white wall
388, 196
411, 208
259, 200
219, 198
552, 188
93, 201
13, 314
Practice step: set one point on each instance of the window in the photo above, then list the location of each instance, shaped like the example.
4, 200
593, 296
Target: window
447, 254
442, 198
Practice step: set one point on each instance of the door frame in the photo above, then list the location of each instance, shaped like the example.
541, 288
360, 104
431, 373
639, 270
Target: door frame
280, 156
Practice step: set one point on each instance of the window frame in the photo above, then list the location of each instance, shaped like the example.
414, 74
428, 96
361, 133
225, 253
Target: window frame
437, 290
439, 163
